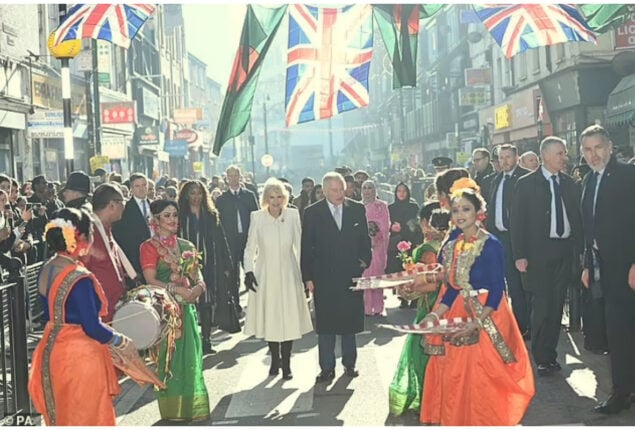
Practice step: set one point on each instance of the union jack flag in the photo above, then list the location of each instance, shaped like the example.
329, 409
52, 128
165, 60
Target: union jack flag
328, 61
518, 27
115, 23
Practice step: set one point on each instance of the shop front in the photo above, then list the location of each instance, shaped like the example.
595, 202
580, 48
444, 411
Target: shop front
620, 115
520, 121
576, 99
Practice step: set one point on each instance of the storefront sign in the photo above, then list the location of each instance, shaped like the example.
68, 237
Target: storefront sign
113, 146
176, 148
46, 124
149, 104
98, 162
476, 77
625, 34
474, 96
118, 113
147, 135
47, 92
188, 116
503, 117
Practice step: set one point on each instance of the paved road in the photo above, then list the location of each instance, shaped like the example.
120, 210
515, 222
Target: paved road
242, 393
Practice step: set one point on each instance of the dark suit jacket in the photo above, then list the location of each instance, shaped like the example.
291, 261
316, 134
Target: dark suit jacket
227, 204
131, 231
614, 216
531, 217
493, 181
331, 258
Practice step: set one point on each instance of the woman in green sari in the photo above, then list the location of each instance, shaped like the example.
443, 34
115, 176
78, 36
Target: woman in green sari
405, 390
179, 360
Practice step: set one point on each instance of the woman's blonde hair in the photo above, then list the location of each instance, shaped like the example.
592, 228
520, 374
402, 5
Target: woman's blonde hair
273, 185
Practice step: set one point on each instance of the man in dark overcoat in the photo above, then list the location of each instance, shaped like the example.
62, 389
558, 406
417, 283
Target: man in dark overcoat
133, 228
546, 233
336, 248
608, 209
499, 203
235, 206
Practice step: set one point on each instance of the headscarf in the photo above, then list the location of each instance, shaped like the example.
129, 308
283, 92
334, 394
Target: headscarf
371, 184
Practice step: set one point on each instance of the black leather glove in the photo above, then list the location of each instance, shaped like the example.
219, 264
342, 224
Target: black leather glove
250, 281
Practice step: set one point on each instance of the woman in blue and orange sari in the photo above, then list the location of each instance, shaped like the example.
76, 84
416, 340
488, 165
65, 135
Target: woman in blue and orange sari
180, 364
480, 376
73, 381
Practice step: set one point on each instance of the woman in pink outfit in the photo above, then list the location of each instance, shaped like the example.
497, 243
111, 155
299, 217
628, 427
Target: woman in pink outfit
379, 230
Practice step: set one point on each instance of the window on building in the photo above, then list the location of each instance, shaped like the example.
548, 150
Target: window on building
535, 60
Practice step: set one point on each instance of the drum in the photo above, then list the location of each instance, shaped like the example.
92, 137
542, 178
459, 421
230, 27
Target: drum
146, 316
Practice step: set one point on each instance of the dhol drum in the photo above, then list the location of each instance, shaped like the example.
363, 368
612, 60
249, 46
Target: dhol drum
147, 315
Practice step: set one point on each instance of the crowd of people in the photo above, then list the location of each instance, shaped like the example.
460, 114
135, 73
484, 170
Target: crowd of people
508, 242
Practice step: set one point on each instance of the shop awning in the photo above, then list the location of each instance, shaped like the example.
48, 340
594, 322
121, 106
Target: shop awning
620, 108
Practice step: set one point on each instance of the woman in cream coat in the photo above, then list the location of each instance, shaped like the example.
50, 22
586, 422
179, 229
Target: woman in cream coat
277, 310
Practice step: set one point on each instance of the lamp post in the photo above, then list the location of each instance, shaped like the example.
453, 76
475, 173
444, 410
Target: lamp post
264, 113
64, 51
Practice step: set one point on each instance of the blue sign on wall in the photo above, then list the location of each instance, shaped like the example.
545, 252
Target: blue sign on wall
176, 148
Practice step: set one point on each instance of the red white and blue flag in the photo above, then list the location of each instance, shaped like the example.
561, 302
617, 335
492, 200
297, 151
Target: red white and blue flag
115, 23
518, 27
328, 61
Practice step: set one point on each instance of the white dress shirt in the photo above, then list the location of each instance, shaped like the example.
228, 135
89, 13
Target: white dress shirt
567, 227
337, 216
499, 200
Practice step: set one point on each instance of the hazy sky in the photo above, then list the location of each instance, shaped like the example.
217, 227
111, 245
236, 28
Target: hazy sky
212, 33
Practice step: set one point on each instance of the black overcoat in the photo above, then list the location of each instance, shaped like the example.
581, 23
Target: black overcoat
331, 258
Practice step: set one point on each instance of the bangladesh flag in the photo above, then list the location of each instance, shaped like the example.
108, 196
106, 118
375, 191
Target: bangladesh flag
259, 29
603, 17
399, 28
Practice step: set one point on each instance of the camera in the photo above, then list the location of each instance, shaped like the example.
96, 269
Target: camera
7, 207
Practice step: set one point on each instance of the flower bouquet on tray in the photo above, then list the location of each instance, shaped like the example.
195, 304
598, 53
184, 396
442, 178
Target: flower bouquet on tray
443, 326
392, 280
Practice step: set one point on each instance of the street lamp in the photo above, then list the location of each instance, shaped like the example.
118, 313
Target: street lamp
64, 51
264, 112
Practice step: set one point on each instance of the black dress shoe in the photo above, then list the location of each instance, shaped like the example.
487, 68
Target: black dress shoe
544, 369
325, 377
614, 404
554, 365
351, 372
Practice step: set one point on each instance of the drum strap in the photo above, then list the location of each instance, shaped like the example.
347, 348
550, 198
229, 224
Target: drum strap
132, 274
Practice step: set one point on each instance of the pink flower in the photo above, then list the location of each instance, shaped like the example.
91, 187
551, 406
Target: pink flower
187, 255
404, 246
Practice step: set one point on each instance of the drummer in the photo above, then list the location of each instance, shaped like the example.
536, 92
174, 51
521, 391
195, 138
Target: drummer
104, 260
73, 381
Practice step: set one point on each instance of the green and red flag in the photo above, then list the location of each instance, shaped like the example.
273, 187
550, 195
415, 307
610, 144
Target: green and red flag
259, 28
603, 17
399, 28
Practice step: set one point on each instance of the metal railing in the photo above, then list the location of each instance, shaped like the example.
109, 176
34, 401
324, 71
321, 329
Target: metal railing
14, 360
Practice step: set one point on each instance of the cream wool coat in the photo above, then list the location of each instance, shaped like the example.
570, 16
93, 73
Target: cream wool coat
278, 311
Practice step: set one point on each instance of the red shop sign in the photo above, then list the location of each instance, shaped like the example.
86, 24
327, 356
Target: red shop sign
118, 113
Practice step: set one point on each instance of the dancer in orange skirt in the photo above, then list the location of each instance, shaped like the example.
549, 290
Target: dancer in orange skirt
73, 381
480, 376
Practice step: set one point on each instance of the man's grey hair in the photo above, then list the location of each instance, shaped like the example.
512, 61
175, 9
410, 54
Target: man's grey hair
333, 176
550, 141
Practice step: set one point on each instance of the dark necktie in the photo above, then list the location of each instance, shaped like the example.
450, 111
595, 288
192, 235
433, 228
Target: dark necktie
506, 184
588, 207
559, 210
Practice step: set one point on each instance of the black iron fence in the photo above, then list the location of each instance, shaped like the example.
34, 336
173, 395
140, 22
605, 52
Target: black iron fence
14, 359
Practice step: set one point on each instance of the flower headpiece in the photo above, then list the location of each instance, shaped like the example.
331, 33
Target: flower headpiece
460, 184
68, 232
